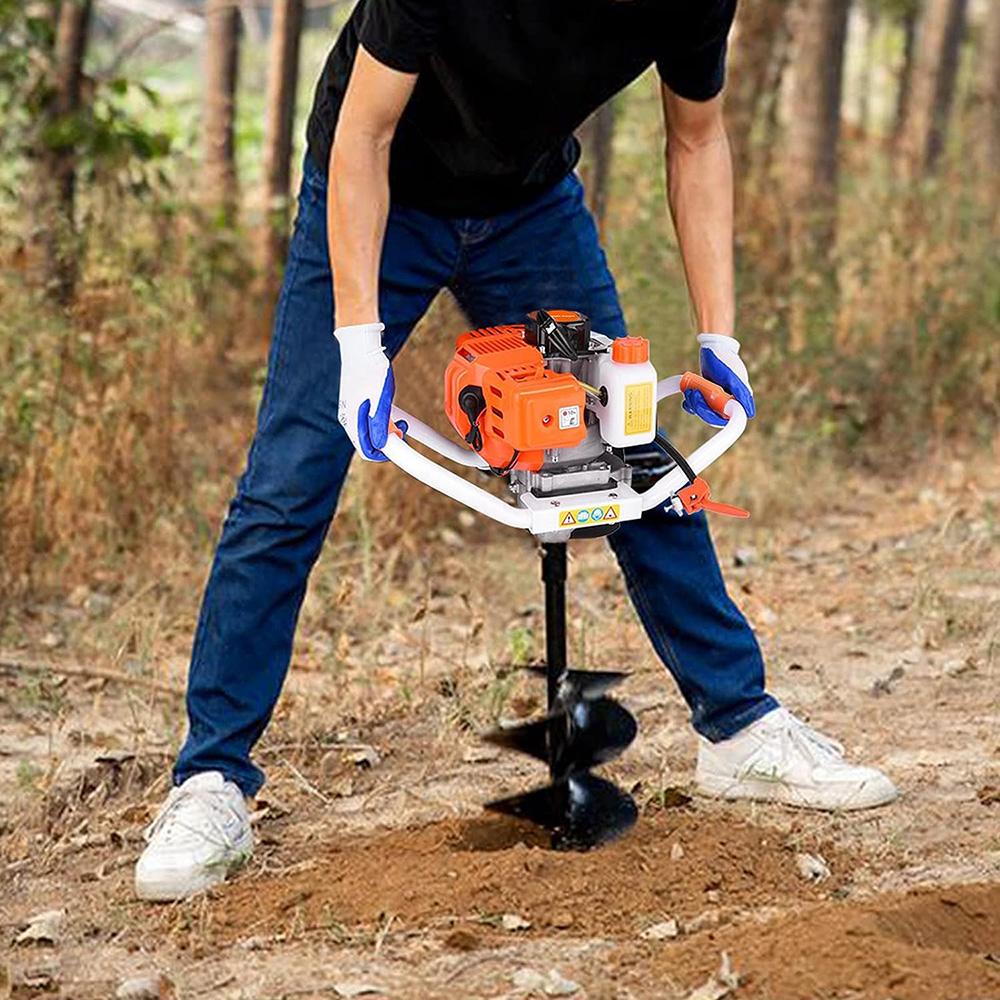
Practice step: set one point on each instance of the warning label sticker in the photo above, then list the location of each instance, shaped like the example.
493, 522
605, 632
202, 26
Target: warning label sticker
589, 515
639, 408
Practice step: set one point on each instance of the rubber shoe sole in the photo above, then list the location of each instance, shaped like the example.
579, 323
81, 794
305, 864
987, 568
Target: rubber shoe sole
878, 791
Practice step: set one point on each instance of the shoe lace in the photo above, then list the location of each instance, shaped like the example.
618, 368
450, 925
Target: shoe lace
195, 810
794, 737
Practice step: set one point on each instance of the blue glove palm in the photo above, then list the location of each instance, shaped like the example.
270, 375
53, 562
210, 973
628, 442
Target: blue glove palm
720, 363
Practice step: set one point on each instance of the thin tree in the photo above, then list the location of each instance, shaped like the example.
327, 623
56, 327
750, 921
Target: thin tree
59, 156
908, 20
282, 83
932, 85
221, 68
597, 137
987, 97
813, 142
759, 29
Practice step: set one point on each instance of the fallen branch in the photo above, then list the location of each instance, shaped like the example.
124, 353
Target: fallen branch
12, 663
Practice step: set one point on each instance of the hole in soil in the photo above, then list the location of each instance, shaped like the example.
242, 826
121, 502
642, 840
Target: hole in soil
495, 833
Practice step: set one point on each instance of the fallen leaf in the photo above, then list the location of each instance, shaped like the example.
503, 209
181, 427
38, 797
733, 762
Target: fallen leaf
43, 928
989, 795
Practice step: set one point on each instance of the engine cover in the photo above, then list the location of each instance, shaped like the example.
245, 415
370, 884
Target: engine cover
500, 395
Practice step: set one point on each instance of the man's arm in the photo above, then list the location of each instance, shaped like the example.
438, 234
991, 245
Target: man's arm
358, 204
700, 191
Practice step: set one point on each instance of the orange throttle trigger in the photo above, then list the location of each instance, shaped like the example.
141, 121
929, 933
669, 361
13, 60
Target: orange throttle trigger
697, 496
715, 395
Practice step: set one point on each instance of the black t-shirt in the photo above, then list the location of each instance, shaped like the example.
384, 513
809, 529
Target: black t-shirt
504, 83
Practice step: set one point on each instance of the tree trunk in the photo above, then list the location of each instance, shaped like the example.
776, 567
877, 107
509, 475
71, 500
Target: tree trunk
987, 97
597, 138
906, 71
871, 25
813, 141
59, 162
932, 85
282, 82
759, 26
222, 46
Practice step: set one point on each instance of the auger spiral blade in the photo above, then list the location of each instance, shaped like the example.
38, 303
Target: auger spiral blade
587, 684
584, 734
583, 728
581, 813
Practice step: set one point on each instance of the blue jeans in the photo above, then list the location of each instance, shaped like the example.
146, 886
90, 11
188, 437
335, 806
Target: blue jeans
545, 254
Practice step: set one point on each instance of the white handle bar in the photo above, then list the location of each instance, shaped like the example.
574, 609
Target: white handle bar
476, 498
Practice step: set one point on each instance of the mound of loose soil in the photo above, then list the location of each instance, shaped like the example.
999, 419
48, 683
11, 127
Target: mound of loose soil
681, 864
935, 943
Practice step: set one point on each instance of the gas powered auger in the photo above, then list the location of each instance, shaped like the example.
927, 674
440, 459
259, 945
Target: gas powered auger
551, 405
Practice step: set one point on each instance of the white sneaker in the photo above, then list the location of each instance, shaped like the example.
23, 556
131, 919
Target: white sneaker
199, 836
779, 758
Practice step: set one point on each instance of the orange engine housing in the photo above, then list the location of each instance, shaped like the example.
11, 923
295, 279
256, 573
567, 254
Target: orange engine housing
525, 407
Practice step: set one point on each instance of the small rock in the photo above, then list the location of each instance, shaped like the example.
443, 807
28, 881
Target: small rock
514, 922
562, 919
799, 555
559, 986
767, 616
529, 980
51, 640
255, 943
43, 928
676, 852
745, 555
349, 990
466, 519
155, 987
451, 538
665, 931
480, 755
365, 757
812, 867
713, 895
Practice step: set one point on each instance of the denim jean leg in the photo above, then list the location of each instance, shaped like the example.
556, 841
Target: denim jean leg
548, 255
675, 582
288, 493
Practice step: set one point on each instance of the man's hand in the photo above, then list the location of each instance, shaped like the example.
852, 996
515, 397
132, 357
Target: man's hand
366, 388
720, 363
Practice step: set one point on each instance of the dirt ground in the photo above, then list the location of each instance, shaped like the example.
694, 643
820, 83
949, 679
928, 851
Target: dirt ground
377, 872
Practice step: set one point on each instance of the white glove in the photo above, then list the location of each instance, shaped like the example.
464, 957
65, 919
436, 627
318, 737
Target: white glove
721, 363
366, 388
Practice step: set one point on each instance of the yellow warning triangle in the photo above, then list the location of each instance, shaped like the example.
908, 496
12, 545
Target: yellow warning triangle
567, 518
611, 514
